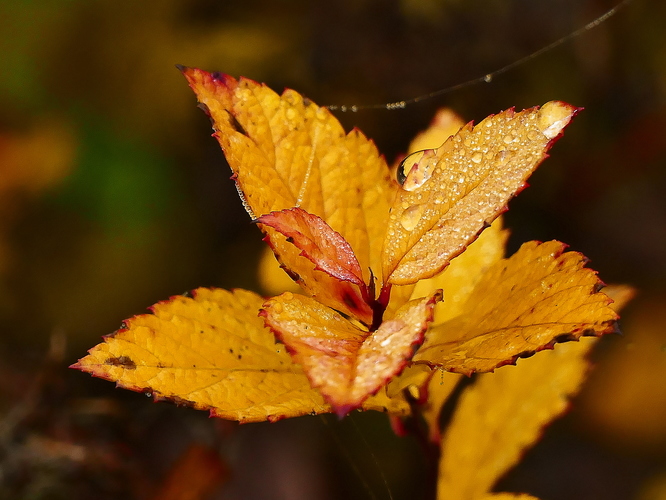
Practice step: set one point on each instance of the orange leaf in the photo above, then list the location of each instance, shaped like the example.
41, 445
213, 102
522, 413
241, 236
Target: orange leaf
209, 351
450, 194
285, 151
539, 296
331, 254
317, 242
501, 415
344, 362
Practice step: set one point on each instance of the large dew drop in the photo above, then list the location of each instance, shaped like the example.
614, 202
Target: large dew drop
416, 169
410, 218
553, 117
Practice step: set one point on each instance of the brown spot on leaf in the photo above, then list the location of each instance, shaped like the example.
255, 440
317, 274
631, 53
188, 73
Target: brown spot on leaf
124, 361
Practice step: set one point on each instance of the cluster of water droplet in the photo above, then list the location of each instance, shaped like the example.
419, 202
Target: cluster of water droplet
448, 196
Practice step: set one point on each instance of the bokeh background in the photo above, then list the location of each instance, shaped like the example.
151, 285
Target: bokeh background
113, 196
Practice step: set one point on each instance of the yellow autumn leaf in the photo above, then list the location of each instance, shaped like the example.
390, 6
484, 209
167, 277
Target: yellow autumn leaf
539, 296
502, 414
452, 193
210, 351
285, 151
459, 278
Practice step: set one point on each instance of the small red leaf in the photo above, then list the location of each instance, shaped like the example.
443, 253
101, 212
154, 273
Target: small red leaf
318, 242
345, 363
341, 285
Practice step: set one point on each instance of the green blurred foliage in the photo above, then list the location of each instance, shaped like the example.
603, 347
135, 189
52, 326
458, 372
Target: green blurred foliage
131, 203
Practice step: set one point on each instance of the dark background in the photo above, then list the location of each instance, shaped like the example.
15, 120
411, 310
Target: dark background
113, 196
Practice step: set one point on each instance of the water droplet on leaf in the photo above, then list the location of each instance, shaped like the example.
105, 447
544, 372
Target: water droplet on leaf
410, 218
416, 169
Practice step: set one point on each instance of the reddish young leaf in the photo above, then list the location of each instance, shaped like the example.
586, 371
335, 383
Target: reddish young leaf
344, 362
318, 242
331, 254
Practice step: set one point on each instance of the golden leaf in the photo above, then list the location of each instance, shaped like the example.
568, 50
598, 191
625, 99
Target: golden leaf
459, 278
451, 194
210, 351
502, 414
287, 152
539, 296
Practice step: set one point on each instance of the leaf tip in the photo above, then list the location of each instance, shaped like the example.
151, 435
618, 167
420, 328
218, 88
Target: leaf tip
197, 77
76, 366
554, 116
343, 410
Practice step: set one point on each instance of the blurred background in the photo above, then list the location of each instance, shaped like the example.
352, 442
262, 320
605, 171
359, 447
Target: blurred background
113, 196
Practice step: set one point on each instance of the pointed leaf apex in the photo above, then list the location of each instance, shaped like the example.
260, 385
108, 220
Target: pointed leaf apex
554, 116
